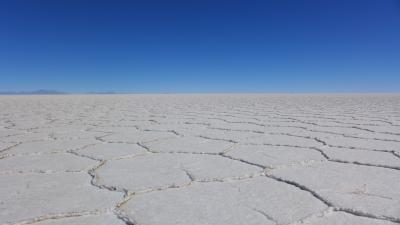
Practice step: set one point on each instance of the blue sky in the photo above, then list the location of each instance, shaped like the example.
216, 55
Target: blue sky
200, 46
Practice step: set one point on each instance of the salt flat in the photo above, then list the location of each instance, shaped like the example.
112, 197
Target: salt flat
200, 159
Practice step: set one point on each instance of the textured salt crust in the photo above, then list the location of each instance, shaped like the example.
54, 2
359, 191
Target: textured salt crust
189, 144
200, 159
45, 163
28, 196
107, 151
105, 219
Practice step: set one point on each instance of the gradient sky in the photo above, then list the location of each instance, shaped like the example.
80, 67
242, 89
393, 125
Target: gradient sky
200, 46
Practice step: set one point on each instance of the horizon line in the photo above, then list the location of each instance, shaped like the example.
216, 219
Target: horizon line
52, 92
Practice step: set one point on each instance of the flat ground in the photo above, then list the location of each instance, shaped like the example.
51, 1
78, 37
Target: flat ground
200, 159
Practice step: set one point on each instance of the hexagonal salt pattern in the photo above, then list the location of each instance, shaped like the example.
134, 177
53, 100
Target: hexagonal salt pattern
200, 159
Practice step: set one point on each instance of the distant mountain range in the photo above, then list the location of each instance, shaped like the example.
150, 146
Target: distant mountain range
37, 92
53, 92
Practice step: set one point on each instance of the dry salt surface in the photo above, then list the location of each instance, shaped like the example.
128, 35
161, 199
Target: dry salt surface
200, 159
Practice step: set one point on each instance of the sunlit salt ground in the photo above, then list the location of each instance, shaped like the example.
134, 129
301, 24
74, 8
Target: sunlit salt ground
200, 159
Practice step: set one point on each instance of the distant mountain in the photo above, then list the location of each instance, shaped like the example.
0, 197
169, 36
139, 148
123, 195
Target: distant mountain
37, 92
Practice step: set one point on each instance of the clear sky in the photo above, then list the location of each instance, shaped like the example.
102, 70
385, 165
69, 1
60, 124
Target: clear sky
200, 46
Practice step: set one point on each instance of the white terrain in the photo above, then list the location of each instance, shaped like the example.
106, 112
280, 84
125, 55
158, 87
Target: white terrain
200, 159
